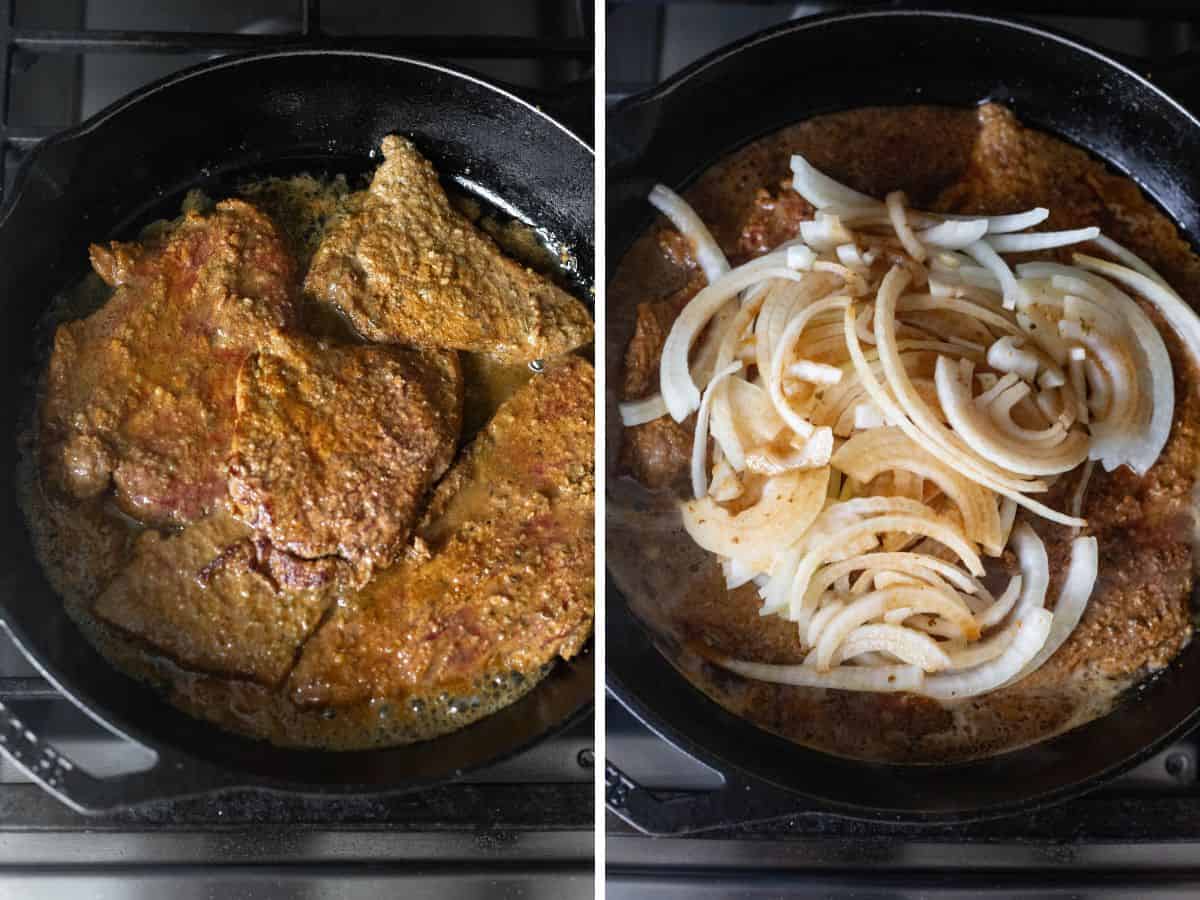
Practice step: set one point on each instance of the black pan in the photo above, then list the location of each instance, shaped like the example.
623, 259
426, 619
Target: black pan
786, 75
207, 127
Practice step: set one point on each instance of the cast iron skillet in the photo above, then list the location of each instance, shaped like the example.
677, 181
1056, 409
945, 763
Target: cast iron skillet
281, 112
753, 88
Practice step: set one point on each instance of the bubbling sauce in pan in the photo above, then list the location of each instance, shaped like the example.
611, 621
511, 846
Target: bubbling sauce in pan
962, 161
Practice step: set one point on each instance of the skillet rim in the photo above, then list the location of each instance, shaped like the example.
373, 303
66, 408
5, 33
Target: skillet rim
203, 775
681, 735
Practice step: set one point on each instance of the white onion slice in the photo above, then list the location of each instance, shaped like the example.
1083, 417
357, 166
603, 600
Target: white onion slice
708, 253
679, 391
1042, 240
993, 444
1128, 258
954, 235
820, 190
875, 604
1035, 570
1032, 631
639, 412
788, 506
800, 257
1182, 318
984, 254
905, 644
1002, 605
1072, 600
1011, 222
825, 232
895, 205
700, 438
878, 679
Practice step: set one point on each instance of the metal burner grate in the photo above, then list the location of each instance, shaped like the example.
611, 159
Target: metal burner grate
561, 55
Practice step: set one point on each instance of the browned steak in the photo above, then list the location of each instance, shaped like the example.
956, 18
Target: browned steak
405, 266
214, 599
140, 394
336, 447
502, 574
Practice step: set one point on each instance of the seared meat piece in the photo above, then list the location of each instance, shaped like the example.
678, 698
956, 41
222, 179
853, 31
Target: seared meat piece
140, 394
407, 267
214, 599
335, 447
502, 574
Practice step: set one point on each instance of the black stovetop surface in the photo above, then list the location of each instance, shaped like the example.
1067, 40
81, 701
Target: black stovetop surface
1138, 836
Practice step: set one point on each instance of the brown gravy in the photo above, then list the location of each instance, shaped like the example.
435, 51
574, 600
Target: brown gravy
952, 160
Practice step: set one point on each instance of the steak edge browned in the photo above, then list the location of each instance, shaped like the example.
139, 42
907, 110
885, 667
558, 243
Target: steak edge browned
405, 266
501, 575
140, 395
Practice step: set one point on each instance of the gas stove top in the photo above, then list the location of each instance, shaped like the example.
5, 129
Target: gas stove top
1137, 836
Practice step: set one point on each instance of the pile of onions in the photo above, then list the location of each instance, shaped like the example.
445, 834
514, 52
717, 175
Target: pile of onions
878, 397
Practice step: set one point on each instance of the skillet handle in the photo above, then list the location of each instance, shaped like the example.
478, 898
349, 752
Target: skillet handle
78, 788
87, 793
741, 801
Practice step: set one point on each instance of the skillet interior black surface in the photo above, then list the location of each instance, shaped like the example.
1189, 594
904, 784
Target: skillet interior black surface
281, 112
885, 59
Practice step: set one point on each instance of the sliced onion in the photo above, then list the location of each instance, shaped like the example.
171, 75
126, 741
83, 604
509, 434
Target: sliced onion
788, 506
679, 391
869, 453
1002, 605
1182, 318
984, 438
1031, 635
700, 438
774, 373
1042, 240
908, 646
895, 205
825, 232
968, 656
800, 257
954, 235
708, 253
877, 679
1072, 600
875, 604
812, 452
820, 190
820, 619
930, 526
1128, 258
639, 412
984, 254
736, 573
1035, 570
1011, 222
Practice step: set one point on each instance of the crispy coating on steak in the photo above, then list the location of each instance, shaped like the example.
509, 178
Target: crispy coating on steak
502, 574
406, 267
140, 395
335, 448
